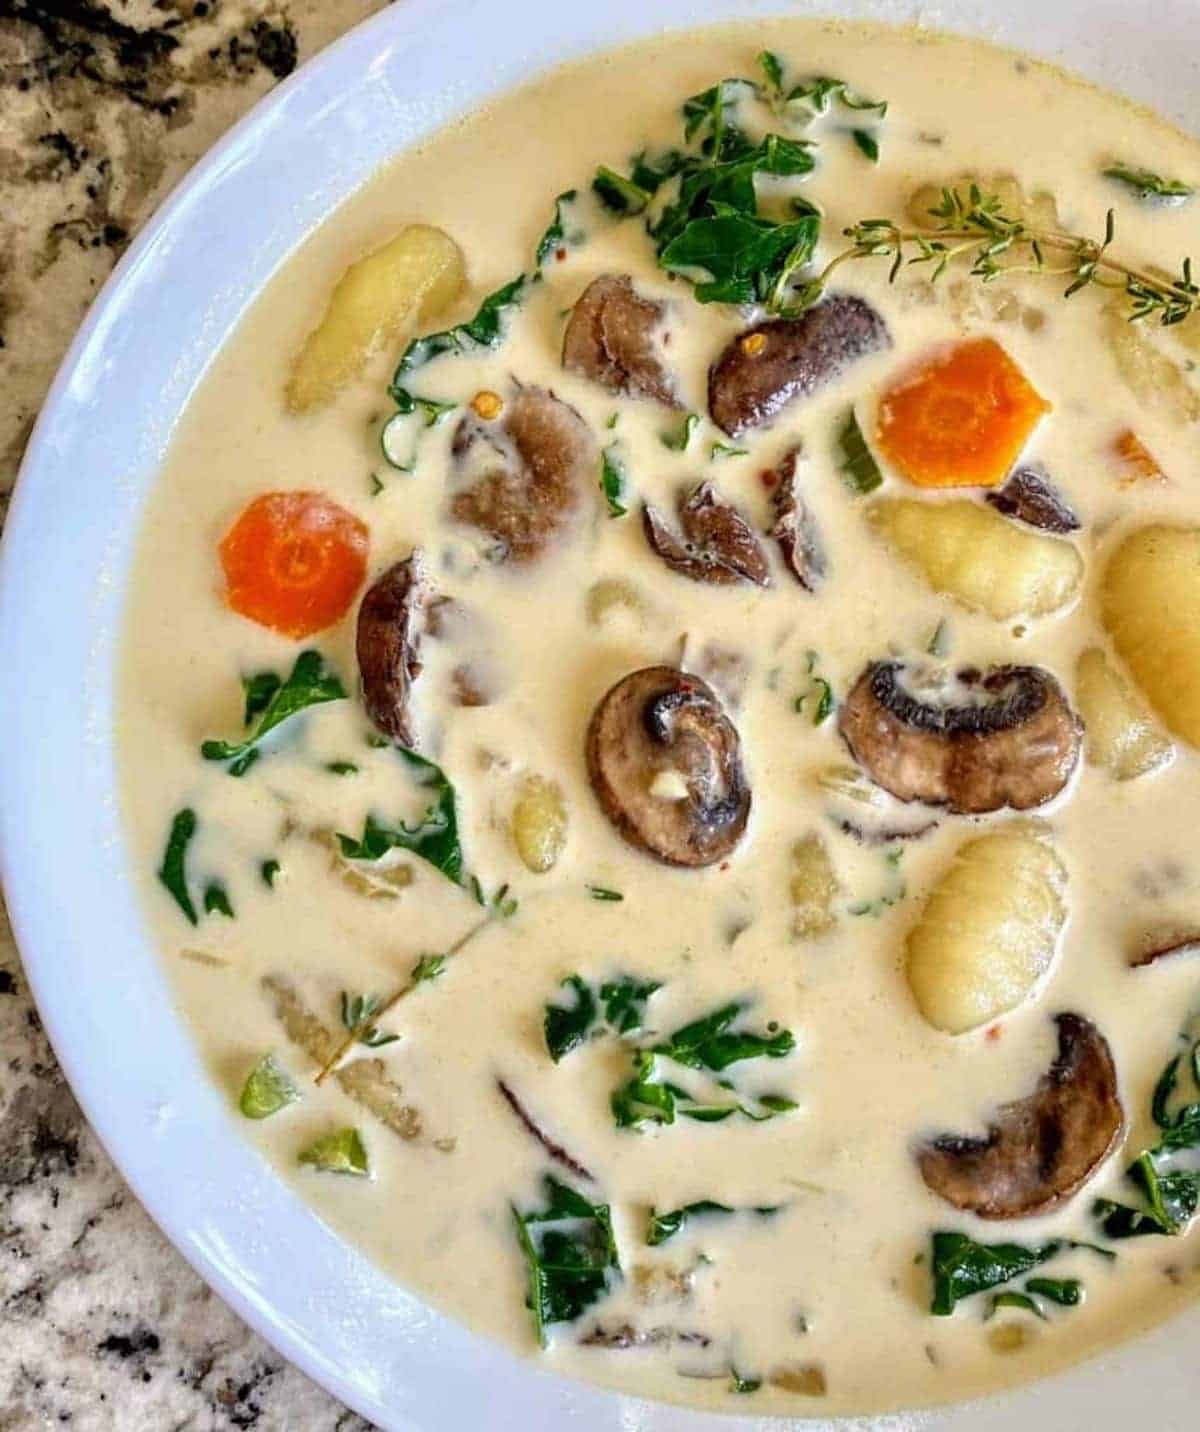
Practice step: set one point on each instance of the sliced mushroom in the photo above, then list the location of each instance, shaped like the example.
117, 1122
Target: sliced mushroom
538, 462
777, 362
795, 526
615, 337
1007, 738
665, 762
391, 621
1030, 497
1039, 1150
718, 544
1164, 946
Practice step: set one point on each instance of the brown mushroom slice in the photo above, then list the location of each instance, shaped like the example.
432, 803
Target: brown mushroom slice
1007, 738
718, 545
1039, 1150
777, 362
1029, 496
665, 762
795, 526
537, 465
391, 621
615, 337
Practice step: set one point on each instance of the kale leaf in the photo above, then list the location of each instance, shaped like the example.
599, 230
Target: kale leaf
173, 870
962, 1268
567, 1026
707, 1043
554, 236
271, 702
570, 1255
625, 1002
662, 1226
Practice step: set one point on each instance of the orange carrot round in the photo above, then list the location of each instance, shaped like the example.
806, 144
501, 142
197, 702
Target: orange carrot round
962, 420
293, 562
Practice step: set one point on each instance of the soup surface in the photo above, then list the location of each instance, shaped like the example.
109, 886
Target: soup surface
909, 775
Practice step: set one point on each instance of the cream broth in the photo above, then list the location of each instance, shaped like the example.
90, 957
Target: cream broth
827, 1300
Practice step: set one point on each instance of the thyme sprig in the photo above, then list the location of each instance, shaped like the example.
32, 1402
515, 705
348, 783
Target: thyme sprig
971, 227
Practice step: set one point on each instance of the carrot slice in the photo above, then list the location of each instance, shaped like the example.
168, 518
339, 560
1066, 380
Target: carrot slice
1138, 462
293, 562
962, 419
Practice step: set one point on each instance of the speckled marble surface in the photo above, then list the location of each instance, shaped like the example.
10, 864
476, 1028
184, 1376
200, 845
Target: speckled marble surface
104, 104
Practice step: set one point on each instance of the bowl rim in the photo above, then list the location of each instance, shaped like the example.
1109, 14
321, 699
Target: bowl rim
66, 547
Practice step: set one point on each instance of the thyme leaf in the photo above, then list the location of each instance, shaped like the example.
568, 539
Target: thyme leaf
1148, 186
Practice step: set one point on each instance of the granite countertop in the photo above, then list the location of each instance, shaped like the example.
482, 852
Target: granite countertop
104, 104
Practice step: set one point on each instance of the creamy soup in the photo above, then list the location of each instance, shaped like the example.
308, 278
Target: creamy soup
802, 714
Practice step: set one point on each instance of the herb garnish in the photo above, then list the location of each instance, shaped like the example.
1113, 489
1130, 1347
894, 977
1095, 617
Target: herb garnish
434, 838
819, 691
738, 1383
601, 892
858, 465
623, 196
267, 1089
680, 439
216, 900
868, 143
1172, 1194
271, 702
268, 870
359, 1013
962, 1268
1148, 186
485, 330
708, 1043
972, 226
719, 449
173, 870
570, 1255
662, 1226
341, 768
1066, 1292
624, 1000
612, 481
554, 237
340, 1152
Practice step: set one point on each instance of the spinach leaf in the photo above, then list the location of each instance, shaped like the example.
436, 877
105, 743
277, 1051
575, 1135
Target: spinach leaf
817, 96
267, 1090
570, 1255
651, 173
216, 900
1014, 1300
567, 1026
644, 1099
1066, 1292
662, 1226
1172, 1194
309, 684
867, 142
623, 196
342, 1151
858, 465
485, 330
625, 1002
433, 838
961, 1267
708, 1043
259, 689
680, 439
601, 892
268, 870
1149, 187
173, 870
612, 481
554, 237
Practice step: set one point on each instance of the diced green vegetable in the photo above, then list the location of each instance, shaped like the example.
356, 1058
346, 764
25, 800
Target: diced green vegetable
267, 1089
342, 1151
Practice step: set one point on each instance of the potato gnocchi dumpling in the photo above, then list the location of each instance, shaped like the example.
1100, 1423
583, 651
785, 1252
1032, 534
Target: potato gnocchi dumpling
413, 276
1121, 735
982, 560
813, 887
1154, 378
1150, 605
989, 929
539, 824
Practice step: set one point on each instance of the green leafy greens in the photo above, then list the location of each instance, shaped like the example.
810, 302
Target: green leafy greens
961, 1268
624, 1000
554, 237
216, 900
858, 465
270, 702
434, 838
173, 870
662, 1226
1171, 1192
612, 481
570, 1255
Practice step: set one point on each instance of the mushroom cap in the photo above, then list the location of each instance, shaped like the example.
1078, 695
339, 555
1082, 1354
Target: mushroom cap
614, 337
795, 526
719, 546
1039, 1150
390, 624
540, 461
1013, 741
657, 723
750, 383
1030, 497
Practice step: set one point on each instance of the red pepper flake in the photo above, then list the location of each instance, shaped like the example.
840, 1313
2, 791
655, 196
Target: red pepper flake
768, 477
560, 254
995, 1032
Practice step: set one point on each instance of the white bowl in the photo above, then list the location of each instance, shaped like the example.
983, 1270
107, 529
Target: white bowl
92, 460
